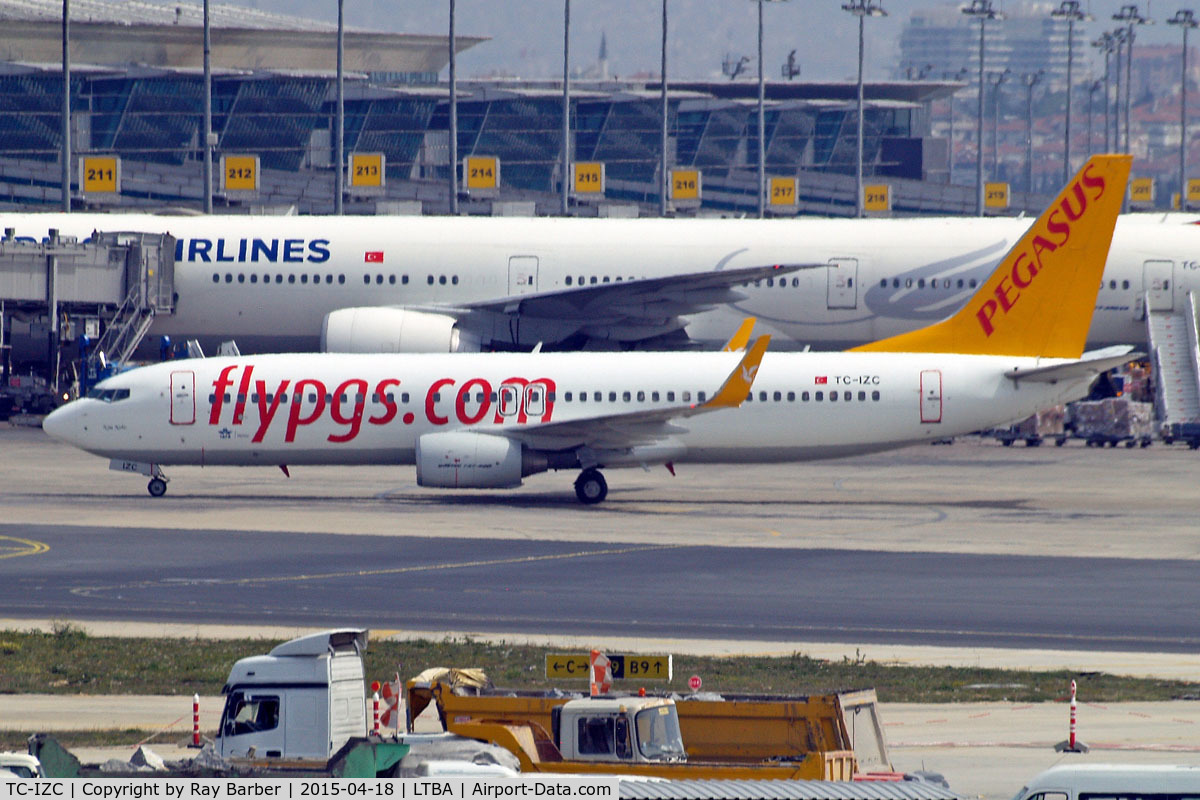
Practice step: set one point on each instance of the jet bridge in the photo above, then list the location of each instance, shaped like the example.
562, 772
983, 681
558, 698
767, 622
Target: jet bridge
56, 289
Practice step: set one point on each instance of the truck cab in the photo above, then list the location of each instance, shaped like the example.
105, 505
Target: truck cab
18, 766
303, 700
628, 729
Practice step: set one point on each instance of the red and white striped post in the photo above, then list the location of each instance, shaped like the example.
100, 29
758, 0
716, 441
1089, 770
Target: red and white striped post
1072, 744
375, 703
1071, 735
195, 720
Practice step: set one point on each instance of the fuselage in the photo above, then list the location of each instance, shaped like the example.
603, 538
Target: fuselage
372, 409
268, 282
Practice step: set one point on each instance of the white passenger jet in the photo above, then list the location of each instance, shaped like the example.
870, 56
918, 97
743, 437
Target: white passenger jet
438, 284
473, 420
489, 420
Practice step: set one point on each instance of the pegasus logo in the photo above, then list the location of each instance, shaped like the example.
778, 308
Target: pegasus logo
1053, 233
748, 373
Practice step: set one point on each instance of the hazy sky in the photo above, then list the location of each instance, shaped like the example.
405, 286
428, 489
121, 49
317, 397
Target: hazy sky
527, 34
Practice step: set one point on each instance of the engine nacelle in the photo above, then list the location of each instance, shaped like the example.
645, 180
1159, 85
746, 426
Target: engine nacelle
465, 460
382, 329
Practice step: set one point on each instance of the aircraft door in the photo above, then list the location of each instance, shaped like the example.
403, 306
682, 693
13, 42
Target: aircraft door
1158, 284
931, 395
842, 289
522, 274
183, 398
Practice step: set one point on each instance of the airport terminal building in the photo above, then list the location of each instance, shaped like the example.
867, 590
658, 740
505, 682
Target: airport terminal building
137, 93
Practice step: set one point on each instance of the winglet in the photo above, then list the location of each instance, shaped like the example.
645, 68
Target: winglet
733, 392
1040, 299
741, 337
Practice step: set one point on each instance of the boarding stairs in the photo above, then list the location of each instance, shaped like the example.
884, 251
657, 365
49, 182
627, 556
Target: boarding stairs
150, 281
1175, 349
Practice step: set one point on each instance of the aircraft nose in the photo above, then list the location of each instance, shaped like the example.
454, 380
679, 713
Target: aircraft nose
60, 423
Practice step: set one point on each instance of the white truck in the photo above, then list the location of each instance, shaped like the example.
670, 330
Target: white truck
19, 766
1083, 781
303, 700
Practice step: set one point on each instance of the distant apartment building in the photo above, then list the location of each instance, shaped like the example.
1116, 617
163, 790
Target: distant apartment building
942, 41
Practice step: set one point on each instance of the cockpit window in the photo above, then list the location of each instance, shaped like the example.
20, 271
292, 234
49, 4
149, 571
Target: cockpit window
109, 395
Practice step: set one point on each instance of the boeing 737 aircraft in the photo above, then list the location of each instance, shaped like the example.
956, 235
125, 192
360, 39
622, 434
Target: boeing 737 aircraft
438, 284
472, 420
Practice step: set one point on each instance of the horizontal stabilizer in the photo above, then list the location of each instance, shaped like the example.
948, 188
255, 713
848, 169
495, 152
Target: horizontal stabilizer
1089, 364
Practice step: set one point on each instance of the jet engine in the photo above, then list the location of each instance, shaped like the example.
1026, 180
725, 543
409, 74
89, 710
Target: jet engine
465, 460
382, 329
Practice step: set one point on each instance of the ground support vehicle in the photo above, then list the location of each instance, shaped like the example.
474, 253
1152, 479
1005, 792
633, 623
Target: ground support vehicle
1033, 430
746, 737
1080, 781
1113, 421
1186, 432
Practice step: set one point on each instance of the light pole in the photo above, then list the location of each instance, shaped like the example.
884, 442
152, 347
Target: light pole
453, 120
762, 116
339, 174
983, 11
861, 9
1129, 15
207, 135
762, 135
955, 76
1031, 79
1107, 44
66, 107
1068, 10
1119, 37
662, 177
1095, 87
1186, 20
566, 109
997, 79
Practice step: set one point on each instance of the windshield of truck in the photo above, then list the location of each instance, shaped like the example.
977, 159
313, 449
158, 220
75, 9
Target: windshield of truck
658, 734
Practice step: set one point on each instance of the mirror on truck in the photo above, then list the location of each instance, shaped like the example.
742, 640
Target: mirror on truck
624, 748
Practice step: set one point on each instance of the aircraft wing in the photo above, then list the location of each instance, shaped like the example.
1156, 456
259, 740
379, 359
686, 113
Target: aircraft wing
636, 303
1089, 364
615, 431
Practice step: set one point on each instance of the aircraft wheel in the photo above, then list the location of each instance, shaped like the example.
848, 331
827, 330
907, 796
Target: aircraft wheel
157, 487
590, 487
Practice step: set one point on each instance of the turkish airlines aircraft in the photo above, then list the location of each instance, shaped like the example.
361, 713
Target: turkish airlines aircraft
472, 420
438, 284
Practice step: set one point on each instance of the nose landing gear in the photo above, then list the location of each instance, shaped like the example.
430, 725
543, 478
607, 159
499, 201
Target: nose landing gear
590, 487
158, 481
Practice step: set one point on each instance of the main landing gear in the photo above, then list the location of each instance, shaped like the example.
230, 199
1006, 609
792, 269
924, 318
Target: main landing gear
590, 487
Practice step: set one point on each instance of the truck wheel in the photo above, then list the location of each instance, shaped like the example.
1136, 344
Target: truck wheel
157, 487
590, 487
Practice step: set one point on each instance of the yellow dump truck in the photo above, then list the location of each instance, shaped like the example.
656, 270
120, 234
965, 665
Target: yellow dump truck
749, 737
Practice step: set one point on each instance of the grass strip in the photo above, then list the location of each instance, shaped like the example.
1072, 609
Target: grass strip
66, 660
